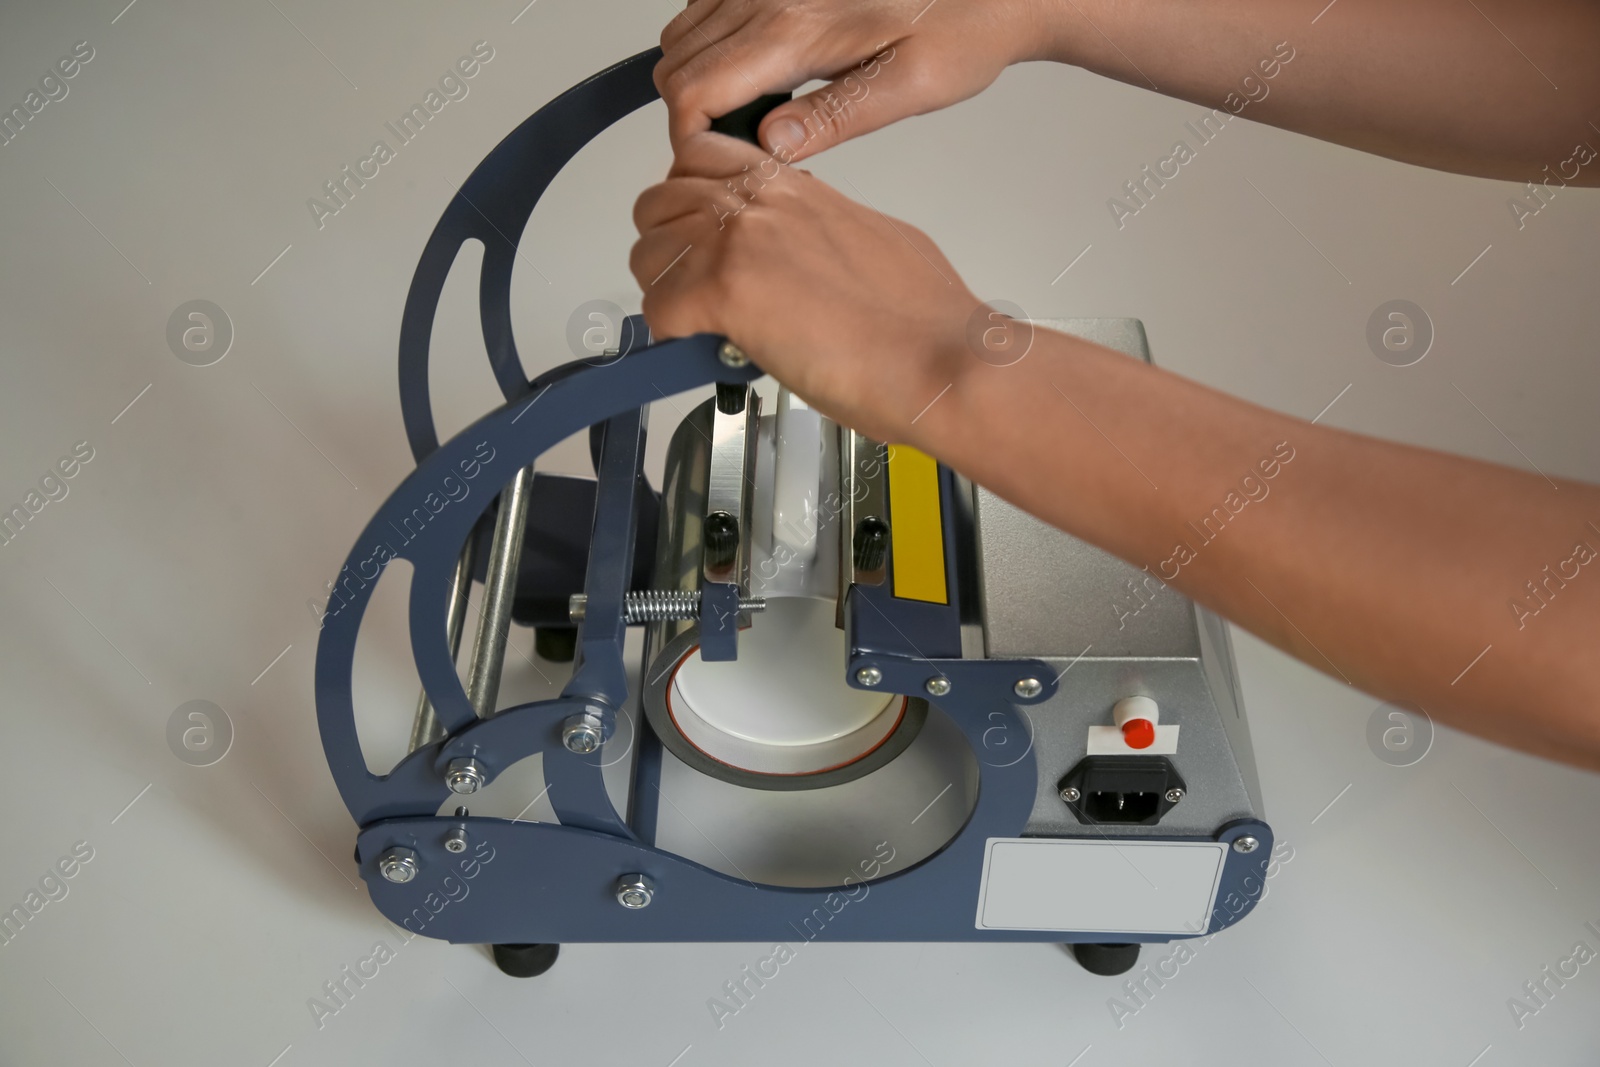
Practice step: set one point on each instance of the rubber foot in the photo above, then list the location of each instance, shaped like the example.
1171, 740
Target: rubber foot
525, 961
1106, 960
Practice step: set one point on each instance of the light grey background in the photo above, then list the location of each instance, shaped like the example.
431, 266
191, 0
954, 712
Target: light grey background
180, 565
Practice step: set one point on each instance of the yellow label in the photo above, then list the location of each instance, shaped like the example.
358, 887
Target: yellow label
916, 529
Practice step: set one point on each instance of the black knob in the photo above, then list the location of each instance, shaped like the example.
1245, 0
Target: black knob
743, 122
731, 397
870, 545
721, 539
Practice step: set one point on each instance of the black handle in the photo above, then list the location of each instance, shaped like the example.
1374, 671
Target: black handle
742, 122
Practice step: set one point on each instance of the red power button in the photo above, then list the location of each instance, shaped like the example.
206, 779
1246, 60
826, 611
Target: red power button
1139, 733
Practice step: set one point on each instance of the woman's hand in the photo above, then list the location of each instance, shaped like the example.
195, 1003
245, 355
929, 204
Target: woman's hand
886, 60
859, 314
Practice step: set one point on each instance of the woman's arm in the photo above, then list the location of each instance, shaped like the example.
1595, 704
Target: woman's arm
1496, 88
1468, 588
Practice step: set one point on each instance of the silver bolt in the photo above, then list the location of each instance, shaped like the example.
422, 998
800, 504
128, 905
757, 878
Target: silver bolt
464, 775
1245, 844
1174, 795
1028, 688
732, 356
634, 891
582, 733
869, 676
937, 686
1070, 794
456, 840
398, 865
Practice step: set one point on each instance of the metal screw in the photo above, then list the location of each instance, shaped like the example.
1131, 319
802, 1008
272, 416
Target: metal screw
398, 865
869, 676
1028, 688
732, 356
456, 840
634, 891
1070, 794
582, 733
937, 686
1174, 795
464, 775
1245, 844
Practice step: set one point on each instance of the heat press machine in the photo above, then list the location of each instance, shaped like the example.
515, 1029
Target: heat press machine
856, 698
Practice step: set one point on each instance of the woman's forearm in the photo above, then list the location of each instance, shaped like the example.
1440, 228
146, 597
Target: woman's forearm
1494, 88
1470, 589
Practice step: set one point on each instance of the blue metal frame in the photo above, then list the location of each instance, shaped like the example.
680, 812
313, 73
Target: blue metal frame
493, 206
541, 882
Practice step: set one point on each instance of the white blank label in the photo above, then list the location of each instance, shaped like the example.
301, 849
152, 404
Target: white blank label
1099, 886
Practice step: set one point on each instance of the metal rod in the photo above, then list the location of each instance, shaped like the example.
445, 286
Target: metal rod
425, 728
499, 590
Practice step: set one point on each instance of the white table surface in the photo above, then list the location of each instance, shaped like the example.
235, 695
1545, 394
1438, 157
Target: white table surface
219, 899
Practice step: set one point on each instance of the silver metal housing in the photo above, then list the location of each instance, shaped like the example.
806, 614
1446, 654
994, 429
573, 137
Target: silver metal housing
1113, 630
1110, 630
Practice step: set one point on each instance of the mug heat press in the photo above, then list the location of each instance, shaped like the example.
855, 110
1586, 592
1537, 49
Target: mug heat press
931, 716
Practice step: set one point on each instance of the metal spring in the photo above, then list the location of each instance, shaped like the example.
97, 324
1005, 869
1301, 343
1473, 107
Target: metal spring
660, 605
